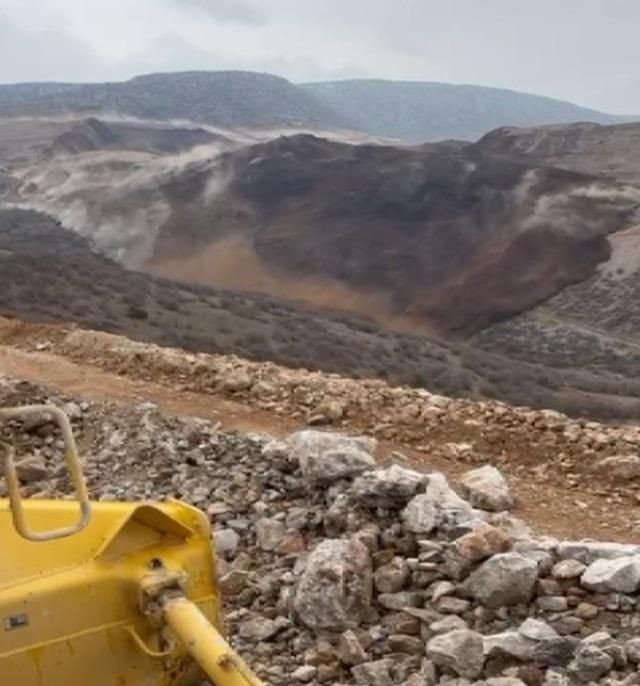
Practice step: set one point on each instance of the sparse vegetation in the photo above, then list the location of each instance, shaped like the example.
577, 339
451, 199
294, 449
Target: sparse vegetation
580, 375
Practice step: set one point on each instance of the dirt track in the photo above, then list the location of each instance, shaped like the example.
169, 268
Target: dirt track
553, 507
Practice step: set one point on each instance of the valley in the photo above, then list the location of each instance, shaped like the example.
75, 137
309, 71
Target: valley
502, 268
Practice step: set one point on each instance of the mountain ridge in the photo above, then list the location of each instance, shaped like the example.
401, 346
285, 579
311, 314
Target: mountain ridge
411, 111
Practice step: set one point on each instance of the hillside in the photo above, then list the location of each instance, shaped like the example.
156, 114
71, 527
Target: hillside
612, 151
415, 111
476, 237
448, 238
226, 99
412, 112
48, 274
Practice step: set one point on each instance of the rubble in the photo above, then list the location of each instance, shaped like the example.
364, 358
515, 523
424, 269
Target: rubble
337, 571
487, 489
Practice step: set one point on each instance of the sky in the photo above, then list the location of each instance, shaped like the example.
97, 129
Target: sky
585, 51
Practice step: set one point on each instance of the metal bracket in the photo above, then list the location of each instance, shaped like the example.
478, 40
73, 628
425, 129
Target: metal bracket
75, 469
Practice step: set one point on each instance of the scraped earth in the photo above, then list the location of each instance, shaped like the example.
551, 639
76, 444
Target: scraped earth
553, 463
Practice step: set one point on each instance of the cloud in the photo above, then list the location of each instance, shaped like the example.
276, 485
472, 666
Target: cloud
44, 55
227, 10
581, 50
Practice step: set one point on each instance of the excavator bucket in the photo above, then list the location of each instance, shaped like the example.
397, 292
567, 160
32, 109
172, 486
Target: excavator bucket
108, 594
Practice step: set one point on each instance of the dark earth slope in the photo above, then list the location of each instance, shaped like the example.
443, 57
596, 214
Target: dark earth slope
48, 274
452, 238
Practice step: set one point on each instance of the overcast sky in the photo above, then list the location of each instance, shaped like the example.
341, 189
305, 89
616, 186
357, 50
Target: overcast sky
586, 51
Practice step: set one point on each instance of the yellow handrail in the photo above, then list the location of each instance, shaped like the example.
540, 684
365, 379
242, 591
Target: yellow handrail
73, 463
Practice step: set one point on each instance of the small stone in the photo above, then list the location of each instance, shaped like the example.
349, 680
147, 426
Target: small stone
402, 623
460, 650
453, 606
402, 643
420, 516
568, 569
503, 580
258, 629
620, 574
531, 675
304, 674
377, 673
568, 625
586, 611
390, 487
440, 589
590, 664
632, 648
447, 624
226, 540
557, 652
335, 589
402, 600
548, 587
537, 630
455, 516
590, 551
553, 678
392, 577
236, 381
326, 457
487, 489
328, 673
510, 643
552, 603
350, 649
605, 642
292, 544
481, 543
620, 467
233, 582
269, 533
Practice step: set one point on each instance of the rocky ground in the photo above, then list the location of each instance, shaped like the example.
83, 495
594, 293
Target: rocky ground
339, 570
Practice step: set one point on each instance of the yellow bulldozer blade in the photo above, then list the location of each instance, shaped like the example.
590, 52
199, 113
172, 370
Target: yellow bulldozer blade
109, 594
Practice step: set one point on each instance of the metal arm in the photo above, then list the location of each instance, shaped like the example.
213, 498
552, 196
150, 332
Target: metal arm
73, 463
205, 643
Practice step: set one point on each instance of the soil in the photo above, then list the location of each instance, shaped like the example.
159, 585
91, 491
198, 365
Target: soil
557, 508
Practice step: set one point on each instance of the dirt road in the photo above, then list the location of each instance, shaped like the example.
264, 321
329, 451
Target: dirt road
556, 509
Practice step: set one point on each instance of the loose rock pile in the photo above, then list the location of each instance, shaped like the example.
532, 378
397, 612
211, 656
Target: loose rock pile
540, 446
338, 571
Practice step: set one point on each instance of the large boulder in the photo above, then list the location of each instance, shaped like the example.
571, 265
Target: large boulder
487, 489
620, 467
443, 508
420, 516
391, 487
590, 551
511, 644
461, 651
621, 575
325, 457
335, 589
590, 664
477, 545
503, 580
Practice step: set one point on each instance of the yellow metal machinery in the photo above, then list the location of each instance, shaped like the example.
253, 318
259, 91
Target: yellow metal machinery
107, 594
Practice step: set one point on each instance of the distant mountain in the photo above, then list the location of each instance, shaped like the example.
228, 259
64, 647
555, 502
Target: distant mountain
413, 112
418, 111
228, 99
